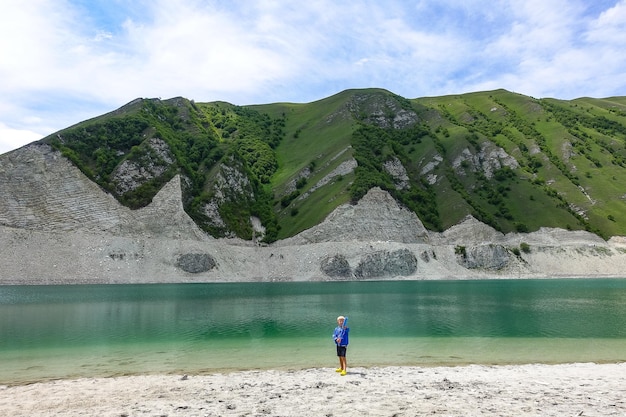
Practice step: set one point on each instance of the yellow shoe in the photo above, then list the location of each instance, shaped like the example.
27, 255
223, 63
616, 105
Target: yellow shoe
343, 373
338, 370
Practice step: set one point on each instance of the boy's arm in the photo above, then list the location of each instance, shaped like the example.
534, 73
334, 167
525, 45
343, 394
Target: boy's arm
338, 335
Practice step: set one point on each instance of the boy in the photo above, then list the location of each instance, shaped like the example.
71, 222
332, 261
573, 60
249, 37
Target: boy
340, 336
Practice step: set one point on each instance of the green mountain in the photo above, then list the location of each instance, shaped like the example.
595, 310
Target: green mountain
513, 162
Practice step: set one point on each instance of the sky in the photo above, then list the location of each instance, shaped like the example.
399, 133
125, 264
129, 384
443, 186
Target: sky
64, 61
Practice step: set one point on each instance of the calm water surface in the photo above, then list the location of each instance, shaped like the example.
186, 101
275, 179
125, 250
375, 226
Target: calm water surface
100, 330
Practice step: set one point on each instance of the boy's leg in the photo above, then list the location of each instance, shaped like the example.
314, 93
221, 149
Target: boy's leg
343, 363
339, 357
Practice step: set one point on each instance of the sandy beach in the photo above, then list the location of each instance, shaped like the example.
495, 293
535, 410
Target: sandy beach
581, 389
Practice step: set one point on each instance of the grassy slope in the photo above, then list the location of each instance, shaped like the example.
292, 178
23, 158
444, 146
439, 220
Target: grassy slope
530, 198
317, 133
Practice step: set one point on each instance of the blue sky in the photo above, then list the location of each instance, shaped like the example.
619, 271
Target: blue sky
64, 61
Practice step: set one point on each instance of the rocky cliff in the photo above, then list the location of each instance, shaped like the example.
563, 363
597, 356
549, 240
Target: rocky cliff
57, 226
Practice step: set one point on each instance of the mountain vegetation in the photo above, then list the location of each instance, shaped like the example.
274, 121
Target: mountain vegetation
513, 162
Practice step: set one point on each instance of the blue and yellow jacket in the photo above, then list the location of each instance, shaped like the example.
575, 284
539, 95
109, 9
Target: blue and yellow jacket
343, 333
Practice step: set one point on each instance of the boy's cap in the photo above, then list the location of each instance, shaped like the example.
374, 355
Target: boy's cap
341, 318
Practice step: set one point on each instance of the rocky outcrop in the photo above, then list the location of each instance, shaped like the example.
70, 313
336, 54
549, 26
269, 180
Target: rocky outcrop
336, 266
469, 231
382, 110
486, 257
345, 168
489, 159
132, 173
397, 171
384, 264
195, 262
376, 217
231, 184
166, 217
375, 265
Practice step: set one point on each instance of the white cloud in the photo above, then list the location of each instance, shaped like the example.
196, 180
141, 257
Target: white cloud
30, 39
547, 51
610, 27
61, 61
15, 138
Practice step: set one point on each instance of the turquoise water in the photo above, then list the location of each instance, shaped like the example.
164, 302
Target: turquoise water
100, 330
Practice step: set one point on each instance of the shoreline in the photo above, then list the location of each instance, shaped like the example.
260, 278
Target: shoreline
26, 366
81, 281
574, 389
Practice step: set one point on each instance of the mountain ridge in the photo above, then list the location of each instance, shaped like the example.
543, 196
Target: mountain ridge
373, 185
462, 145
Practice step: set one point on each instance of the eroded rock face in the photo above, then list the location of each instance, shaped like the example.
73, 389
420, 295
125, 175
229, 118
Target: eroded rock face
131, 174
382, 110
376, 265
336, 266
395, 168
485, 257
387, 264
376, 217
231, 184
468, 231
490, 159
41, 190
196, 263
344, 168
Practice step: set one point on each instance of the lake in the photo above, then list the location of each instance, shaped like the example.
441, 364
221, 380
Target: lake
49, 332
